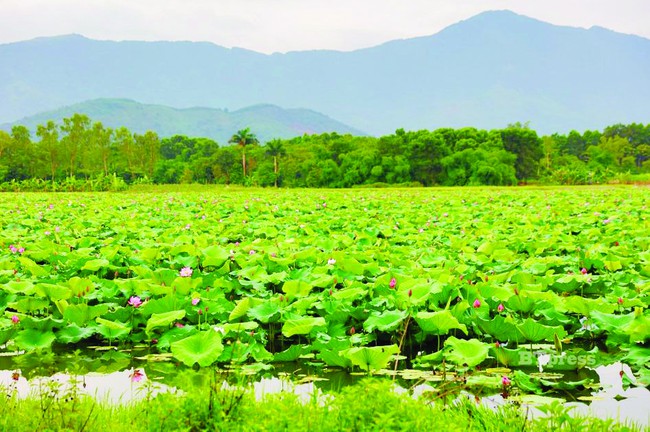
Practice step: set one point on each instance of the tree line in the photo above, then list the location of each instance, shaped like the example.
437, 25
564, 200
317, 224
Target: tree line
79, 148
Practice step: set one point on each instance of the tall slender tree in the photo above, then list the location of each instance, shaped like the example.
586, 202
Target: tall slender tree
243, 138
275, 149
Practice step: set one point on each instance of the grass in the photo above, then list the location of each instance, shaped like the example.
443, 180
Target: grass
370, 405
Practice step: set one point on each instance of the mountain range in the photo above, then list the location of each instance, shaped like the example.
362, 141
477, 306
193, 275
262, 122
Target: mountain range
267, 121
488, 71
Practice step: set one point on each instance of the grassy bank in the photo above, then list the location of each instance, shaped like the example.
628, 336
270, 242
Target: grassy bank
368, 406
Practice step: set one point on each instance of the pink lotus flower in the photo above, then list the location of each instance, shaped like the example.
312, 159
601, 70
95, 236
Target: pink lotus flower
137, 376
583, 270
13, 248
393, 283
179, 325
195, 301
15, 319
251, 252
135, 301
476, 304
505, 381
186, 272
620, 300
21, 250
500, 308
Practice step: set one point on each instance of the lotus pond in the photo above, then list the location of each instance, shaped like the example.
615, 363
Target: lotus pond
521, 292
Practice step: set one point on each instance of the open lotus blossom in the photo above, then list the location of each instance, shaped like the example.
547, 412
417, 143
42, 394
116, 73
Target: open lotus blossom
476, 304
393, 283
135, 301
13, 248
500, 308
505, 381
137, 376
195, 301
186, 272
331, 261
252, 252
15, 319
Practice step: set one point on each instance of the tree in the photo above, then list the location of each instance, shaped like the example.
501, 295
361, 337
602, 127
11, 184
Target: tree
243, 138
276, 149
76, 139
527, 146
50, 146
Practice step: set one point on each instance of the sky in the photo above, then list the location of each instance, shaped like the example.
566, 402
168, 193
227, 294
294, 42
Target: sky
291, 25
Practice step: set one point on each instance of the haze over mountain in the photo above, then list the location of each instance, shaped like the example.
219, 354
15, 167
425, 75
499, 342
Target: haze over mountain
488, 71
267, 121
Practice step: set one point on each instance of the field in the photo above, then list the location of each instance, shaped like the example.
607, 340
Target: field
519, 291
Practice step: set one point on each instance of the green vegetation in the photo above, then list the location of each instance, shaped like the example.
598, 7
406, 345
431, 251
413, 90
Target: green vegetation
368, 406
444, 277
81, 155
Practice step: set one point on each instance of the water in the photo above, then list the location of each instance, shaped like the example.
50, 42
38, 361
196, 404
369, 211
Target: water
119, 378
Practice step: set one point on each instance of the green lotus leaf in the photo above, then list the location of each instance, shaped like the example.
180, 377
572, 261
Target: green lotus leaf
501, 328
18, 287
112, 329
32, 267
536, 332
468, 353
301, 326
296, 288
29, 304
52, 292
164, 319
32, 339
349, 294
585, 306
370, 358
385, 321
80, 314
265, 312
237, 327
203, 348
96, 264
291, 354
73, 334
242, 307
438, 323
639, 329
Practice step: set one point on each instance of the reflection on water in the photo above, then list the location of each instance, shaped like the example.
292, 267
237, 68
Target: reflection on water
116, 388
120, 378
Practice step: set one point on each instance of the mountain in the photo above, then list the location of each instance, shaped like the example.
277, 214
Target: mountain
488, 71
266, 121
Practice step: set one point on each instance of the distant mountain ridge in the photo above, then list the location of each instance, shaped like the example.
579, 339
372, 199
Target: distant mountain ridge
265, 120
488, 71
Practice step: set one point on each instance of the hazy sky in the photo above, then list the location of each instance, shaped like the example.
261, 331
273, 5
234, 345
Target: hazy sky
287, 25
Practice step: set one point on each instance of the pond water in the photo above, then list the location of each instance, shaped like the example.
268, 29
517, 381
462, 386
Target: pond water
118, 377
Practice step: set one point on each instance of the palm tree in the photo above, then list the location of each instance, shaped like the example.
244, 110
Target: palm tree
243, 138
276, 149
